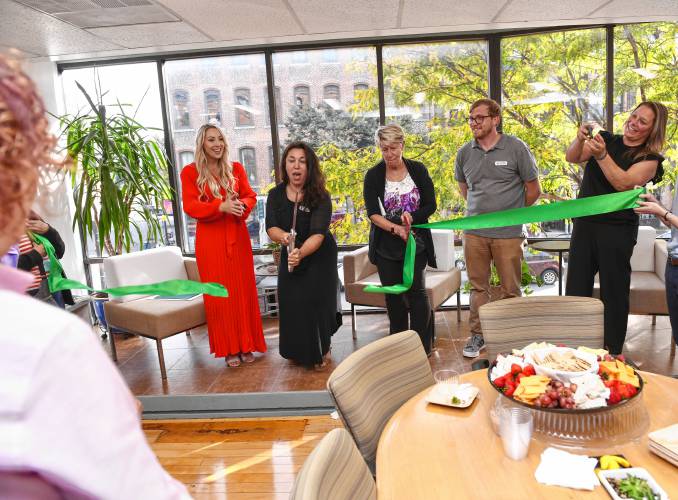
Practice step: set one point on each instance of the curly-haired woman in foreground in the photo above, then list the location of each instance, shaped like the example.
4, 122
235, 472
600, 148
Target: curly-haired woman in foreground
65, 409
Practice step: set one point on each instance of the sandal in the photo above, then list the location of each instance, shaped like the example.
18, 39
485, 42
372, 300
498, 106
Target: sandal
233, 361
247, 357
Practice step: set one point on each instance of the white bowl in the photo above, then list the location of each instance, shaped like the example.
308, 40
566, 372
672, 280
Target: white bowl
563, 376
604, 475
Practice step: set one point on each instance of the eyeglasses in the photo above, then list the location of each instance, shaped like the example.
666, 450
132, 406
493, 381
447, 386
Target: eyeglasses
477, 119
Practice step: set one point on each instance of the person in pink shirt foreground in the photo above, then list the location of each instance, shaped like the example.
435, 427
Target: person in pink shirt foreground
69, 426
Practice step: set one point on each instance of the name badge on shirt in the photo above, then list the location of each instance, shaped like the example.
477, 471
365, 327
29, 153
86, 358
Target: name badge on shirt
500, 163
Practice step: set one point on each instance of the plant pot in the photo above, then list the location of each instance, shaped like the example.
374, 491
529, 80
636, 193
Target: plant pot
276, 257
98, 299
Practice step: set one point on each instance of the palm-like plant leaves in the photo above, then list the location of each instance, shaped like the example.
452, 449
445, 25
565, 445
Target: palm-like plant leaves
118, 171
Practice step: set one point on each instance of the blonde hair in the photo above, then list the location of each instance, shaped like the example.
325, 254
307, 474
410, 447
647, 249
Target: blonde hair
389, 133
654, 144
225, 178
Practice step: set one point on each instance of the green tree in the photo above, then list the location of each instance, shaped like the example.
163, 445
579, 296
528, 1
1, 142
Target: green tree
551, 82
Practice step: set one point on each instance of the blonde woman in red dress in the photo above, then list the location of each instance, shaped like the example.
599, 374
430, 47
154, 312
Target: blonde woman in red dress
218, 195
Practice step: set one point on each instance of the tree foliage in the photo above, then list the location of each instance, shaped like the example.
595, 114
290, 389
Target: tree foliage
551, 82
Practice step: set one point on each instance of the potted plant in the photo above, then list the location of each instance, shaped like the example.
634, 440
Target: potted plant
119, 179
275, 252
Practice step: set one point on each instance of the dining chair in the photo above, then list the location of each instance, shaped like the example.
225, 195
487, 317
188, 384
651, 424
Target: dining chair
334, 471
373, 382
514, 323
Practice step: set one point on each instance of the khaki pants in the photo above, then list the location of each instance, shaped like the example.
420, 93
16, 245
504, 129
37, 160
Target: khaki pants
479, 253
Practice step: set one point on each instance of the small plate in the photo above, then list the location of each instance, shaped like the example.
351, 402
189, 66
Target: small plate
434, 396
604, 475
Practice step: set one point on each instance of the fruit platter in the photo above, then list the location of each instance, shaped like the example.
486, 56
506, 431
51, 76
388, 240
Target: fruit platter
557, 378
579, 398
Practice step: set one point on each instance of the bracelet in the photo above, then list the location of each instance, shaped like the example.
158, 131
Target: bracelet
665, 217
393, 229
602, 157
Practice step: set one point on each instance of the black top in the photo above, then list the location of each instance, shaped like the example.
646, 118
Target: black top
279, 211
374, 188
595, 183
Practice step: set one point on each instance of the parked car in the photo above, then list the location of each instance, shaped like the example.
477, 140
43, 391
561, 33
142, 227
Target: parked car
541, 264
544, 265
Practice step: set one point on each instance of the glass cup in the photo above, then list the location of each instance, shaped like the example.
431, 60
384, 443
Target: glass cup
515, 428
447, 382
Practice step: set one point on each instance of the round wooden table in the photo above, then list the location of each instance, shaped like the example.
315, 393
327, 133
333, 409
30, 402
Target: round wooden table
428, 451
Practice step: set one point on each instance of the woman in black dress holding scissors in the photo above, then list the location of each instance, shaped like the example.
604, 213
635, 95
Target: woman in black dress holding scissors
307, 277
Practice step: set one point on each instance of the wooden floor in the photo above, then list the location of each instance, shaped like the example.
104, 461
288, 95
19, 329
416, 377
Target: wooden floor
237, 458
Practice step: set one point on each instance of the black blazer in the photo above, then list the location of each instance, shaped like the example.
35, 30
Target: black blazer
373, 190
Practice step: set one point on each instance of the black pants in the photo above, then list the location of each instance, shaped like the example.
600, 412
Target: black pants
605, 249
391, 273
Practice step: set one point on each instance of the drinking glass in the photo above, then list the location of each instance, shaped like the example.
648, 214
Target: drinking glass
515, 427
446, 382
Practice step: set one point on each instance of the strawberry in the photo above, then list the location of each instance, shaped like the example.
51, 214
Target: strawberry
500, 381
516, 369
529, 370
510, 390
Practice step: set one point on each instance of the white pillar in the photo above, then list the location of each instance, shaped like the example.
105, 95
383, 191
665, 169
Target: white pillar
55, 201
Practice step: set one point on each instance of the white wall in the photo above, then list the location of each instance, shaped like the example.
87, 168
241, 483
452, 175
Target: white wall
54, 202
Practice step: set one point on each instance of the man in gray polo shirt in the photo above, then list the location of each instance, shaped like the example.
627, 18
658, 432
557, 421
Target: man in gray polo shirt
495, 172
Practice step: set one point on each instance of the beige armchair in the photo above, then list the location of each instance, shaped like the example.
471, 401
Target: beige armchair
441, 283
334, 470
373, 382
514, 323
141, 315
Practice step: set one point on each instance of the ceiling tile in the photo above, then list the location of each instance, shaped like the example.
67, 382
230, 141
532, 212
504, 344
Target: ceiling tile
632, 8
96, 18
150, 35
419, 13
32, 31
542, 10
237, 19
347, 15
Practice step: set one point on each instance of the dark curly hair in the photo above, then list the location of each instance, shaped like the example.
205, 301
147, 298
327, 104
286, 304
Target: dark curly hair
25, 149
314, 187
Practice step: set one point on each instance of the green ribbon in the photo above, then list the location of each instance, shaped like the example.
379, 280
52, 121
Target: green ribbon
57, 282
408, 272
593, 205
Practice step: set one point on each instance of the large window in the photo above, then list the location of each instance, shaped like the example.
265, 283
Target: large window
645, 69
547, 93
322, 109
243, 115
125, 88
241, 118
428, 90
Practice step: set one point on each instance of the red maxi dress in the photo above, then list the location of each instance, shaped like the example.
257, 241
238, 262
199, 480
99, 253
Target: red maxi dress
224, 255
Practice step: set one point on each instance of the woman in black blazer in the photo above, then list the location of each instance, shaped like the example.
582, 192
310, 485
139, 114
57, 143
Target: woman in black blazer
398, 193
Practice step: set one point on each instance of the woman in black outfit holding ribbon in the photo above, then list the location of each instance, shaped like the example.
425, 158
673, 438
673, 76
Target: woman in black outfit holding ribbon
307, 277
604, 243
399, 192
